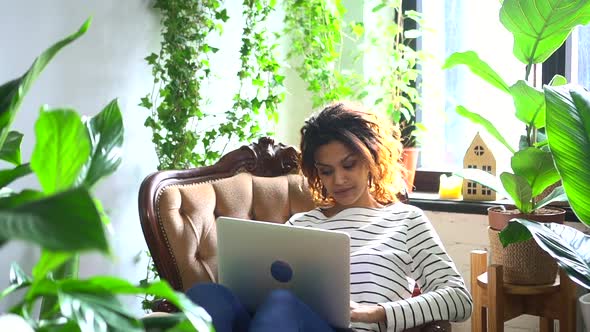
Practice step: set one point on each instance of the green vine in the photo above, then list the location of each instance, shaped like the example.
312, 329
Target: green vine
316, 37
179, 71
317, 31
178, 119
402, 71
261, 85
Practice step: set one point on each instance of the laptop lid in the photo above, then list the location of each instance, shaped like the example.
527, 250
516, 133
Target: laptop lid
256, 257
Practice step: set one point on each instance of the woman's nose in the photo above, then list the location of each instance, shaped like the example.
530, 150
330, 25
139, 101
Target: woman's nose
339, 177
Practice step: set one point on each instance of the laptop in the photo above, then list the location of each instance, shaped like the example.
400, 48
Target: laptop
256, 257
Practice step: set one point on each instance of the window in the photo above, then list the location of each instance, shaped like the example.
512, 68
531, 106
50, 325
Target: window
479, 150
578, 57
462, 25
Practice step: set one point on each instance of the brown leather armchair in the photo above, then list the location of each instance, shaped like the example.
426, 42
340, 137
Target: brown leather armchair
178, 208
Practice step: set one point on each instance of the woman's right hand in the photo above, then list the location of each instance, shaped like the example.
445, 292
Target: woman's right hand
366, 313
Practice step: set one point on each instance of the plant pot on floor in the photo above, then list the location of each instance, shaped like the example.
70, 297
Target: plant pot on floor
525, 263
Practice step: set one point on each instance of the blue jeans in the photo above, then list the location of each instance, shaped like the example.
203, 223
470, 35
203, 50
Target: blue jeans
281, 311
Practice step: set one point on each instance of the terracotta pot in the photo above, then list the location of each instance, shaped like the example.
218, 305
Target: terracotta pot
498, 219
410, 162
525, 263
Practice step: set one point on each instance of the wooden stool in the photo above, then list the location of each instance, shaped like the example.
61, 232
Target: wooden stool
495, 302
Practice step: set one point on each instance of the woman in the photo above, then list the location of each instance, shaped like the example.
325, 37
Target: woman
350, 159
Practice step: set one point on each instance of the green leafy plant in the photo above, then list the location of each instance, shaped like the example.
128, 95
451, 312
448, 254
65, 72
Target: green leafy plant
395, 37
70, 156
539, 29
316, 31
259, 70
568, 131
179, 70
185, 134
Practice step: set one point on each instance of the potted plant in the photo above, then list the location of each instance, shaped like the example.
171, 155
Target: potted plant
544, 30
70, 156
568, 131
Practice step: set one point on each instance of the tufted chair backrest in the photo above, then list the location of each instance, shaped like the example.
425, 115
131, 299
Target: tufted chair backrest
178, 209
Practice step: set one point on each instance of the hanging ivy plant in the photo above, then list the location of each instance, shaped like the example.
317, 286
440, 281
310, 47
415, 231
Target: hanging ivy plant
179, 71
178, 118
261, 85
395, 36
316, 32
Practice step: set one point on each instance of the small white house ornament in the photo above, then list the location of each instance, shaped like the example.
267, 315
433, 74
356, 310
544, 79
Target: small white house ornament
479, 156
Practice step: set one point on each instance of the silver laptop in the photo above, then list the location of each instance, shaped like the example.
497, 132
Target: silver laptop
256, 257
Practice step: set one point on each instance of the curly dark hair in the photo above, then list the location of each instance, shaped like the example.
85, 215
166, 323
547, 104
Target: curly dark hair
375, 139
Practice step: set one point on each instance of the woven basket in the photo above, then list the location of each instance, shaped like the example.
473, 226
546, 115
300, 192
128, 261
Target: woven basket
524, 263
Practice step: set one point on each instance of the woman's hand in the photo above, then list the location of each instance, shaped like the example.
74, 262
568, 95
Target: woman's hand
366, 313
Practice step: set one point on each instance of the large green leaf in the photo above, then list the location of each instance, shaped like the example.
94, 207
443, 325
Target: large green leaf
106, 135
568, 131
197, 315
519, 190
17, 279
97, 312
480, 120
537, 167
57, 325
10, 151
14, 200
67, 221
9, 175
541, 26
478, 67
569, 247
62, 148
113, 286
13, 92
529, 103
49, 261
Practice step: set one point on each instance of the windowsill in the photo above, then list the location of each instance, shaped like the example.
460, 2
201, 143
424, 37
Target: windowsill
431, 202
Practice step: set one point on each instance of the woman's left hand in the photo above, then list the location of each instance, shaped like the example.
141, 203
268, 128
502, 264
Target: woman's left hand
366, 313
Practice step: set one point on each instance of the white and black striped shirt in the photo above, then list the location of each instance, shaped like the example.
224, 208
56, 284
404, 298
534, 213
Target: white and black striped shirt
390, 248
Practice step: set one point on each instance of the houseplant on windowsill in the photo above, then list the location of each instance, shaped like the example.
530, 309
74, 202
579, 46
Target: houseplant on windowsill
70, 156
568, 131
544, 30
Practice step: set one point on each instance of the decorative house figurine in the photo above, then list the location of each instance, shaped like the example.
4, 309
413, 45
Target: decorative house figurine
479, 156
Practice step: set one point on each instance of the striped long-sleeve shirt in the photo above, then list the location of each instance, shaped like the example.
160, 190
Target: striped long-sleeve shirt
391, 248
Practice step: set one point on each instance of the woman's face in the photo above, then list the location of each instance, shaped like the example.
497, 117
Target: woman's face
344, 174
